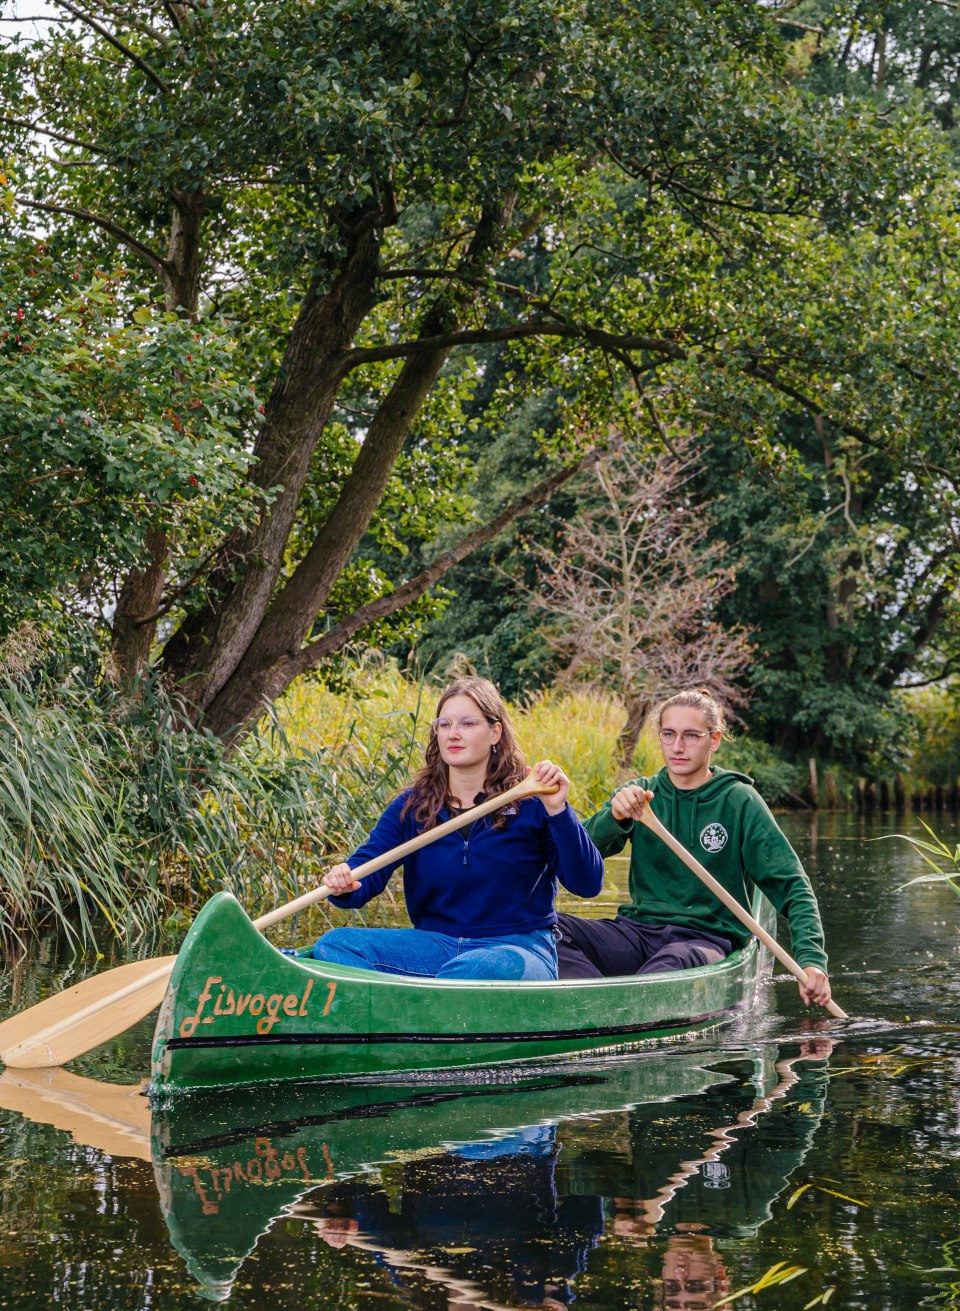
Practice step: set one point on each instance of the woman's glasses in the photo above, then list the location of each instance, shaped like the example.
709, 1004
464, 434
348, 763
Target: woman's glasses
690, 737
466, 724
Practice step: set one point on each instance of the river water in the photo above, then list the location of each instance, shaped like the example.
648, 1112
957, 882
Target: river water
672, 1177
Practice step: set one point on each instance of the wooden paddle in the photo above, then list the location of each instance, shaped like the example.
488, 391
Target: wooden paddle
654, 825
92, 1012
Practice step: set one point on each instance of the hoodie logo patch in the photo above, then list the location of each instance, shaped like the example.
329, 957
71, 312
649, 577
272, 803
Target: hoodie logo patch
713, 837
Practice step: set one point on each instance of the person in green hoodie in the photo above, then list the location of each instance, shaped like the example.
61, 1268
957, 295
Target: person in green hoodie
672, 920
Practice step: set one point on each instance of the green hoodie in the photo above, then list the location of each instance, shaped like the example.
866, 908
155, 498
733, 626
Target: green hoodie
727, 825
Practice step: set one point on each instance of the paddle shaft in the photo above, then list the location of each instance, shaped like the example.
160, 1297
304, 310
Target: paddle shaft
66, 1028
649, 819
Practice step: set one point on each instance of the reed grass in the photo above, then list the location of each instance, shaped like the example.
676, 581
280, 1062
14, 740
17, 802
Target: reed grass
942, 858
64, 848
114, 818
385, 718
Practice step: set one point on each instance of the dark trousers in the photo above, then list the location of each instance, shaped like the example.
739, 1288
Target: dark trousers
601, 949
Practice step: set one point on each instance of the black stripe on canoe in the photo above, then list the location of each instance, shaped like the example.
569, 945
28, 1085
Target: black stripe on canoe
338, 1039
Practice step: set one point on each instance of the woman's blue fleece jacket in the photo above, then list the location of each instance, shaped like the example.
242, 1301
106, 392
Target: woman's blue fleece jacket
483, 882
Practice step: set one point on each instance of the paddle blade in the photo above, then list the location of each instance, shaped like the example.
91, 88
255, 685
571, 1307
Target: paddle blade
82, 1017
112, 1117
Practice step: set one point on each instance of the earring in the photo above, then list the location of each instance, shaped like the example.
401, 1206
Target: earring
495, 749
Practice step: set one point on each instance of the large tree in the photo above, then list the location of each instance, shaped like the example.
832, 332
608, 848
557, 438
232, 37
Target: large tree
359, 187
842, 503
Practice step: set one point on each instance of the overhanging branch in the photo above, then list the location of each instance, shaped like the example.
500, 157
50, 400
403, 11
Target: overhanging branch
156, 262
414, 588
665, 347
55, 136
515, 332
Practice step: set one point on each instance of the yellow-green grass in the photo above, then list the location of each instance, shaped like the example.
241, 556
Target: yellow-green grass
384, 716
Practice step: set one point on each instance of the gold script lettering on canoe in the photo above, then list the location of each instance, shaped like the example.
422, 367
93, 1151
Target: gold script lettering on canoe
212, 1183
266, 1009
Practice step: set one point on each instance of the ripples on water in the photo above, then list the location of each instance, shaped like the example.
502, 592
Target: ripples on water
665, 1178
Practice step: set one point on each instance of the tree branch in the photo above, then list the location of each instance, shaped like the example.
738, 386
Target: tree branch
804, 27
156, 262
49, 132
385, 606
927, 622
515, 332
138, 24
452, 275
117, 44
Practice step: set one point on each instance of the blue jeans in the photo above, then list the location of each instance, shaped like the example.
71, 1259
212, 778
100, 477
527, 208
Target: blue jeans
420, 953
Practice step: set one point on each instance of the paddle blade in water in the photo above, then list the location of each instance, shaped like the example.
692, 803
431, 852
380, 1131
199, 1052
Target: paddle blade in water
84, 1016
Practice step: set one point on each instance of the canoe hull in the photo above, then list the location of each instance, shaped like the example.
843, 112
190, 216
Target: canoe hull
239, 1011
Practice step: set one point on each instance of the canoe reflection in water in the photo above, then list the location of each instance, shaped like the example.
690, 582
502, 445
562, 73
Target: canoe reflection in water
486, 1214
513, 1222
491, 1194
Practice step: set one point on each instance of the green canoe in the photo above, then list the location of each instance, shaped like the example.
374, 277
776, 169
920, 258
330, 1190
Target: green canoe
238, 1011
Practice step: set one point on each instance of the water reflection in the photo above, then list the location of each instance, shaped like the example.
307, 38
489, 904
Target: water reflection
656, 1180
496, 1194
484, 1220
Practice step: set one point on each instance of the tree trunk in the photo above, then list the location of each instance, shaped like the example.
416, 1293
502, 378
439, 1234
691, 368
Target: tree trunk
274, 635
211, 642
134, 625
638, 708
134, 629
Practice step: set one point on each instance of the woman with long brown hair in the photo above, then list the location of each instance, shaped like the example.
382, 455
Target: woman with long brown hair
481, 900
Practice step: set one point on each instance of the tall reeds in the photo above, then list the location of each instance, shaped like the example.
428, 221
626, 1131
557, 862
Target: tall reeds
64, 849
113, 817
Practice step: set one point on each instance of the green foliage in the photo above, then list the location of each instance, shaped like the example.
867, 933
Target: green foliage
779, 779
116, 424
825, 549
933, 738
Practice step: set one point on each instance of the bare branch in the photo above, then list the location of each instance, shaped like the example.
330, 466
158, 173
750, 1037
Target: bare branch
804, 27
632, 595
177, 593
155, 261
68, 471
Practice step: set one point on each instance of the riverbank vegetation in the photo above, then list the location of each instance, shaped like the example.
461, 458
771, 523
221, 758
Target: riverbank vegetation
115, 820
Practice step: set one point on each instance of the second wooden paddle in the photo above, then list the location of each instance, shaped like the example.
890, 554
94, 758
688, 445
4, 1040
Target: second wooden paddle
649, 819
